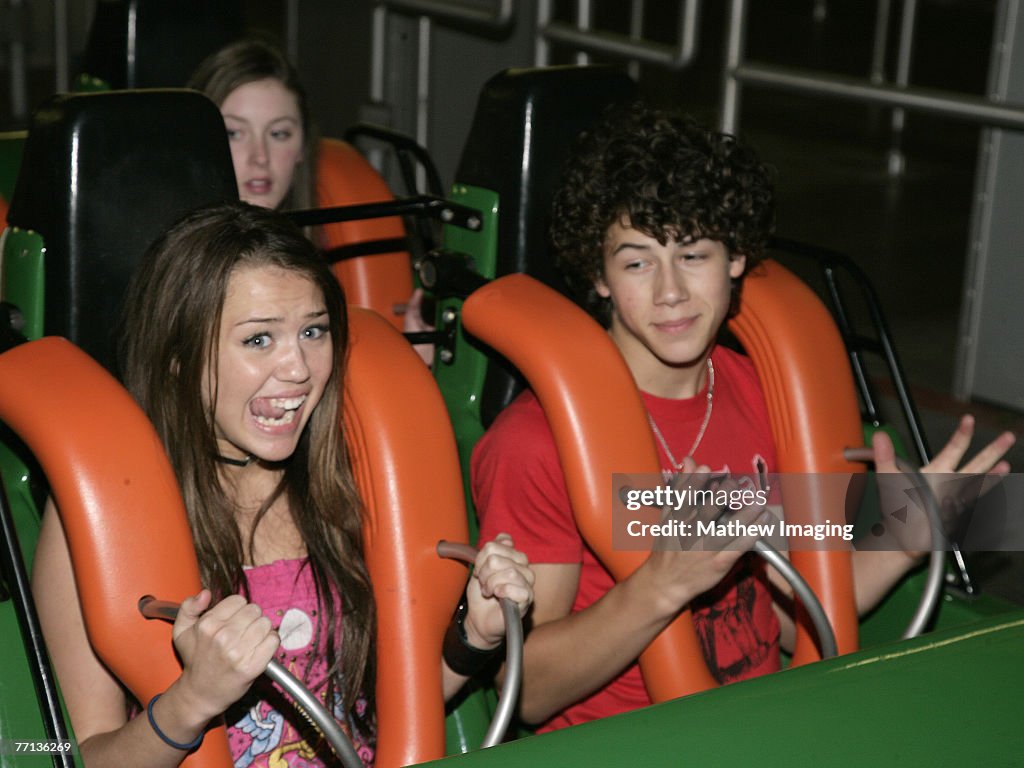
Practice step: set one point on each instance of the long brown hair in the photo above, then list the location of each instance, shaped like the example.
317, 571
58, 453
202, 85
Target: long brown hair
250, 60
168, 344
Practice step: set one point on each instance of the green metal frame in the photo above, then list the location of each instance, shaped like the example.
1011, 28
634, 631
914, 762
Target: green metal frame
461, 379
23, 282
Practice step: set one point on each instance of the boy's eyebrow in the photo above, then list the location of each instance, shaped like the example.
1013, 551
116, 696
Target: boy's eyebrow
627, 244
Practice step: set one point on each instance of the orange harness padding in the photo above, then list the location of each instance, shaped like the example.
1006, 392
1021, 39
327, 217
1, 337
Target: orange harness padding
129, 535
407, 469
599, 425
812, 404
121, 509
380, 281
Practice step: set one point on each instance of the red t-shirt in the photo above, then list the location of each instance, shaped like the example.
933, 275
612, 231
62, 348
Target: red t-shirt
518, 487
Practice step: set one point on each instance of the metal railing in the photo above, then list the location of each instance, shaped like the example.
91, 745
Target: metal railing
631, 47
739, 71
440, 10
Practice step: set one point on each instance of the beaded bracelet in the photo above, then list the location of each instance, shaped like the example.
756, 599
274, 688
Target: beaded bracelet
164, 737
462, 657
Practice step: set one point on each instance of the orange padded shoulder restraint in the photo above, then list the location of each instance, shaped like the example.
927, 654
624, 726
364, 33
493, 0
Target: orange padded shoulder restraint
812, 403
600, 428
120, 506
576, 372
379, 281
129, 536
407, 469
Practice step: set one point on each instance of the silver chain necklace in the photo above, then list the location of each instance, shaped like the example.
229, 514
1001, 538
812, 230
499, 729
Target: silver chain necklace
678, 465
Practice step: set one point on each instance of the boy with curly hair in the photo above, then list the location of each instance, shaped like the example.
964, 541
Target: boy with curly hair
655, 224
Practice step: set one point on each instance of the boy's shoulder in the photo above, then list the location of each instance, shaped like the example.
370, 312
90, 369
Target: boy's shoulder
737, 366
521, 428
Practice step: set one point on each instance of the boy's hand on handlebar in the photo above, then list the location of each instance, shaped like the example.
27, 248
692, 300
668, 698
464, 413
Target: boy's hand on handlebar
682, 567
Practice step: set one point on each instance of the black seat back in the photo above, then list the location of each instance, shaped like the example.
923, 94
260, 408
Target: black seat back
525, 123
102, 175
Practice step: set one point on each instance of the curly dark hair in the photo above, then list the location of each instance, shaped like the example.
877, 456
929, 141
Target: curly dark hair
672, 178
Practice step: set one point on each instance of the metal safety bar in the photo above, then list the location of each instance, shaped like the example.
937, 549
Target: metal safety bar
937, 102
445, 211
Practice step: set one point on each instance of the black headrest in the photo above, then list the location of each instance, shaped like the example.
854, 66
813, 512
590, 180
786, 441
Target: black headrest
102, 176
157, 43
525, 123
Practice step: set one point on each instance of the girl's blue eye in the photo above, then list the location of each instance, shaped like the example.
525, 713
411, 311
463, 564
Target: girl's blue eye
257, 340
281, 134
315, 331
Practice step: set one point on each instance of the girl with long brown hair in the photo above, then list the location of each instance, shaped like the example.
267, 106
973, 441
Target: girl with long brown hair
233, 342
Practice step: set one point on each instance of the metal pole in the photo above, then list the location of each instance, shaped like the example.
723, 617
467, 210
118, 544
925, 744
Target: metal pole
130, 43
422, 92
542, 50
584, 23
291, 31
16, 60
1003, 38
897, 161
881, 41
734, 45
60, 46
636, 32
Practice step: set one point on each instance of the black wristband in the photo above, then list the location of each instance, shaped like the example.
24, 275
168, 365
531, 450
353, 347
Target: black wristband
164, 737
461, 657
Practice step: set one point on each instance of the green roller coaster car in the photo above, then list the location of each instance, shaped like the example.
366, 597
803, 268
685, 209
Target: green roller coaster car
945, 698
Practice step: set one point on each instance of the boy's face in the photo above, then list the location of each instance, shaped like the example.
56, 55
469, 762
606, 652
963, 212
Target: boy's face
668, 301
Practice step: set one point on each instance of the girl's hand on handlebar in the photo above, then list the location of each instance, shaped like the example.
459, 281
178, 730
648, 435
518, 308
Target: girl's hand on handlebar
224, 648
500, 571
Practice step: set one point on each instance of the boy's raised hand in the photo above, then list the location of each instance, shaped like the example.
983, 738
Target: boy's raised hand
905, 523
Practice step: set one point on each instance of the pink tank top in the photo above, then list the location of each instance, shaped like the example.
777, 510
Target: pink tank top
268, 730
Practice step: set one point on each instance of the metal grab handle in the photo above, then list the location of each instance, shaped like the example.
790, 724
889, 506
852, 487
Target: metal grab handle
513, 651
310, 706
815, 611
932, 592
